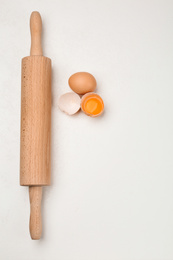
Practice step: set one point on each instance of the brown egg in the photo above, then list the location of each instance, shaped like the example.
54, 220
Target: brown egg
82, 82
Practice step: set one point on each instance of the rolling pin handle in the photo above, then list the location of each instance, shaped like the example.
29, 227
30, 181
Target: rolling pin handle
36, 29
35, 225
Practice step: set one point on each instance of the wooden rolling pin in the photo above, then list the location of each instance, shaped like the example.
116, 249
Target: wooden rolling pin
35, 124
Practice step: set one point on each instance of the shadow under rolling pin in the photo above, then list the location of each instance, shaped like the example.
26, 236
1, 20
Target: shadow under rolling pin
35, 169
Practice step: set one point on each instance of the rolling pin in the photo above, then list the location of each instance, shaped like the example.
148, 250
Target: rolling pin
35, 135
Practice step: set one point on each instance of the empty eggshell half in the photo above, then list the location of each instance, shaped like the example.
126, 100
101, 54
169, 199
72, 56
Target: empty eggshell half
69, 103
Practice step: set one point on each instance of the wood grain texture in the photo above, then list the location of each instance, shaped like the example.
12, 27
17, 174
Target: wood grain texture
35, 121
35, 226
35, 124
36, 29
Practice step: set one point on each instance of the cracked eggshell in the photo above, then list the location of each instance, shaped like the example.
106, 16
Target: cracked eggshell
92, 104
69, 103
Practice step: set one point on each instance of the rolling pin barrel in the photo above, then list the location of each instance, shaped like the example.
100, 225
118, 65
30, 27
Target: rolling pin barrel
35, 121
35, 124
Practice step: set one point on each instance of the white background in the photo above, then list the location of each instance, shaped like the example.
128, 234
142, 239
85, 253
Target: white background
112, 177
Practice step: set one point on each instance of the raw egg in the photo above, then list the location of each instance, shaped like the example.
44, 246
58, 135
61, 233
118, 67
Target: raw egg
82, 82
92, 104
69, 103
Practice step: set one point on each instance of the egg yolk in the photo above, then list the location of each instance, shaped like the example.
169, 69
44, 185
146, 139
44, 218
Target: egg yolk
93, 105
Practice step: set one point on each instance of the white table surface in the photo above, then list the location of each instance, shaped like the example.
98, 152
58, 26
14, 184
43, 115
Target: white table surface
112, 177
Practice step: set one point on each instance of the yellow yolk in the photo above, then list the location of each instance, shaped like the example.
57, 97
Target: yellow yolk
92, 104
